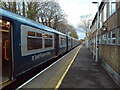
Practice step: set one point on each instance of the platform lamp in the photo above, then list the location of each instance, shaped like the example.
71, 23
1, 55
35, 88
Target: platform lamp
96, 46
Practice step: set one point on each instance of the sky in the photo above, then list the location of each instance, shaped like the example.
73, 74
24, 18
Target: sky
76, 8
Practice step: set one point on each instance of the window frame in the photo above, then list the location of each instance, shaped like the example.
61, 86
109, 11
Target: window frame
24, 29
69, 42
111, 3
61, 36
48, 33
110, 33
104, 37
118, 41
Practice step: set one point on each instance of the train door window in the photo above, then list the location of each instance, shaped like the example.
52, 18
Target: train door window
48, 41
5, 50
62, 41
69, 41
34, 40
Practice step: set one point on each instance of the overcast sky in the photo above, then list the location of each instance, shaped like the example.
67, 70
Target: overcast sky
76, 8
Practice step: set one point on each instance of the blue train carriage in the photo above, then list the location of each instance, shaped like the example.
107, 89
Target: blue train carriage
26, 44
69, 43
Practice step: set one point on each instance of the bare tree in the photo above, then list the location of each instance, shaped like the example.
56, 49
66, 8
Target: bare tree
84, 25
33, 8
50, 13
9, 5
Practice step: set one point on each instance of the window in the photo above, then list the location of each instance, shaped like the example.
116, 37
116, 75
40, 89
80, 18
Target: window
34, 43
31, 33
100, 23
119, 37
48, 41
112, 6
69, 41
38, 35
34, 40
62, 41
99, 38
111, 37
105, 13
104, 39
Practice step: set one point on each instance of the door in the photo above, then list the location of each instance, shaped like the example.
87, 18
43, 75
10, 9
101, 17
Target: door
56, 46
5, 50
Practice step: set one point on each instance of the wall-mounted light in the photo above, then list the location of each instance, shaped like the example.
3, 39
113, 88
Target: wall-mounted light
104, 28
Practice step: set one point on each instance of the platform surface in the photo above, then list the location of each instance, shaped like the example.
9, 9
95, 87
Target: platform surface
51, 77
86, 73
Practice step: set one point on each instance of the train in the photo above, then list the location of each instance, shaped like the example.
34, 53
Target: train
26, 44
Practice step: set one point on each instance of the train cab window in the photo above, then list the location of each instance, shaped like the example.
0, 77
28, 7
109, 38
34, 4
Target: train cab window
48, 41
34, 40
5, 50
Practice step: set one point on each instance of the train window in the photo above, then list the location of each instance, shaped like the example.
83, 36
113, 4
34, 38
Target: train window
48, 41
31, 33
48, 36
62, 41
69, 41
34, 43
34, 40
38, 35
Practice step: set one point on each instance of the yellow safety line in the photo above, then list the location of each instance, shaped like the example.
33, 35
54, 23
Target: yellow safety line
60, 81
4, 82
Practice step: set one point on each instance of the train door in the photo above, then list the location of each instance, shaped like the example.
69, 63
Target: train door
56, 46
5, 56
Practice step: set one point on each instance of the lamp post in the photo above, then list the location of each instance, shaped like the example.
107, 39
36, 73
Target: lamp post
96, 46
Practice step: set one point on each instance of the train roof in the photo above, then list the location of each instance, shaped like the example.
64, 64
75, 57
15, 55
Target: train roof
22, 19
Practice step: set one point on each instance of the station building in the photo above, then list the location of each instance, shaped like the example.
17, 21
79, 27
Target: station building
105, 34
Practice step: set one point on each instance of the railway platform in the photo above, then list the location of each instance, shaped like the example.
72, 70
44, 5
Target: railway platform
76, 69
86, 73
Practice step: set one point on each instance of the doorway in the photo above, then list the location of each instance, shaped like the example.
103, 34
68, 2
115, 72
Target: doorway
5, 50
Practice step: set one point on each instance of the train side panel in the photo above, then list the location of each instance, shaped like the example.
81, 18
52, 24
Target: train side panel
28, 51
